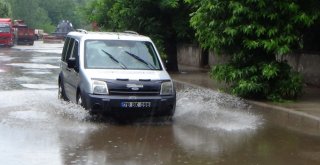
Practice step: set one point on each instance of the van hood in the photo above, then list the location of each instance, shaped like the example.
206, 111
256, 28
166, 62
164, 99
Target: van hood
127, 74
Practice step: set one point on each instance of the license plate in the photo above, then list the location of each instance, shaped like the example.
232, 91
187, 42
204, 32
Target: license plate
136, 104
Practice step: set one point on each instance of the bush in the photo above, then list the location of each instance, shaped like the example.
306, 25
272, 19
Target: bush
273, 81
254, 33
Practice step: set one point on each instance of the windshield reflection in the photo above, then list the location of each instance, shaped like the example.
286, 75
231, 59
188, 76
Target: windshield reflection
119, 54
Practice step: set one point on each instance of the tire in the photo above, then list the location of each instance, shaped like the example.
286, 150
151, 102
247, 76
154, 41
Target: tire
166, 118
61, 92
80, 101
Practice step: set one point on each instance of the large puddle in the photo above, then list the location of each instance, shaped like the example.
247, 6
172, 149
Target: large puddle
202, 126
208, 127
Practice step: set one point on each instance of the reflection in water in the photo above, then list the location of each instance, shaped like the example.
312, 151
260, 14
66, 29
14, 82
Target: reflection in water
115, 144
210, 143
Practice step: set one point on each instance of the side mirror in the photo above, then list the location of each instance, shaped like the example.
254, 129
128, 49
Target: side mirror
72, 63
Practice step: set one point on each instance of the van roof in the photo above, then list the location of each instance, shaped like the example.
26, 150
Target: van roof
129, 35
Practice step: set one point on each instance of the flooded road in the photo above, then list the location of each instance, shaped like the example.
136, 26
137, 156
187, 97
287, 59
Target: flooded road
207, 128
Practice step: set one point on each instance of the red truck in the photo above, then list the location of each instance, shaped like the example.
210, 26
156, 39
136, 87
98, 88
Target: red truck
6, 32
24, 34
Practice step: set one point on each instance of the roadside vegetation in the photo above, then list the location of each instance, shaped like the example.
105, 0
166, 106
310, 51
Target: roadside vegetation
255, 34
5, 9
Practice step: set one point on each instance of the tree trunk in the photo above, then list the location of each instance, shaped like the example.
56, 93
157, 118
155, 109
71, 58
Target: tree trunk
171, 51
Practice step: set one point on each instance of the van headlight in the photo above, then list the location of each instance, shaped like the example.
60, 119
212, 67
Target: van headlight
100, 87
166, 88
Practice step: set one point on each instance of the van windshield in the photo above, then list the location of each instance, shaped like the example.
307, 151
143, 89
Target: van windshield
120, 54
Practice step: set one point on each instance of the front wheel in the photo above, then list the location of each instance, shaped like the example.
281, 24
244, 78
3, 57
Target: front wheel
81, 101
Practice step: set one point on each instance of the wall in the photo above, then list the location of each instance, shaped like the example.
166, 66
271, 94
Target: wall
192, 55
307, 64
217, 59
189, 55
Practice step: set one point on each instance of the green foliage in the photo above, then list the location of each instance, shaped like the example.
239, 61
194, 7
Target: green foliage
253, 33
165, 21
47, 14
5, 10
261, 81
21, 10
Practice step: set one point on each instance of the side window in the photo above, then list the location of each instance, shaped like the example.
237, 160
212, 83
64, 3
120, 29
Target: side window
74, 56
70, 49
65, 49
74, 52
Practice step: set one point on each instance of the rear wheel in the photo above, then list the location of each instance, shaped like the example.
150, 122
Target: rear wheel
61, 92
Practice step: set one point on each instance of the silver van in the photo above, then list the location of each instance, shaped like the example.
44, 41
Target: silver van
115, 73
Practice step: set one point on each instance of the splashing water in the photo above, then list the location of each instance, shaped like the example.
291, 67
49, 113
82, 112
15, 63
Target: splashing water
208, 109
42, 101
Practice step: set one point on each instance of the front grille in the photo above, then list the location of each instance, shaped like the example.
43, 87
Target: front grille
134, 93
134, 88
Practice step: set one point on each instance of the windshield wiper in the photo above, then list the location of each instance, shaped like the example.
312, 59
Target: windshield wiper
114, 59
150, 66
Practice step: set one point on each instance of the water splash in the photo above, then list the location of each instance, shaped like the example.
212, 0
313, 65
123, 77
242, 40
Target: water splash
41, 101
208, 109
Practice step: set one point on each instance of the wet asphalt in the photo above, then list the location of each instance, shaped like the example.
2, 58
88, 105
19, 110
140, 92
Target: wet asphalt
208, 127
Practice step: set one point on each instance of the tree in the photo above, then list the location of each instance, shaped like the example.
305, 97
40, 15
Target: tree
31, 13
165, 21
47, 14
59, 10
255, 34
5, 10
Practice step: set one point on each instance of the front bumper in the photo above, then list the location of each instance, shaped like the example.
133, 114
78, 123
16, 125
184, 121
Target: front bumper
107, 104
4, 44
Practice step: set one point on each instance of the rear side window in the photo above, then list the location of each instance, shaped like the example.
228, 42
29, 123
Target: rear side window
70, 49
65, 49
74, 50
